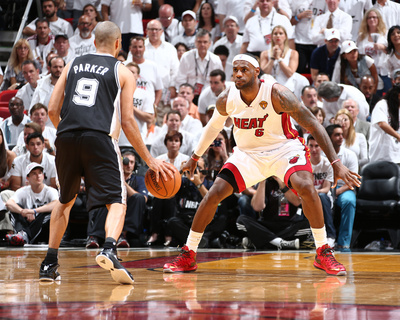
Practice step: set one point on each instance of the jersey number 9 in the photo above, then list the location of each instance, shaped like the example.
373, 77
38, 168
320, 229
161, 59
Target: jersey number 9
86, 92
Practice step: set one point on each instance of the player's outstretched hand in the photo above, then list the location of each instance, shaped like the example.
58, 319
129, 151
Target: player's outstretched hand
350, 178
190, 166
161, 167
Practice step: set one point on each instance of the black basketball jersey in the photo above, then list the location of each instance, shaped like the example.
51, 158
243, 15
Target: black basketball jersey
92, 96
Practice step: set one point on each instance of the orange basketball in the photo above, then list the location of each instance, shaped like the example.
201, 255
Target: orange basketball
162, 189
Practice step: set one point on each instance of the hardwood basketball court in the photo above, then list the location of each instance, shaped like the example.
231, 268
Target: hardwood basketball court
232, 284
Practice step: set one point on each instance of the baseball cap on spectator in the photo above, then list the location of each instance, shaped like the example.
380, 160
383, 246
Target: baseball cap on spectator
61, 35
32, 166
190, 13
332, 34
396, 74
231, 18
348, 46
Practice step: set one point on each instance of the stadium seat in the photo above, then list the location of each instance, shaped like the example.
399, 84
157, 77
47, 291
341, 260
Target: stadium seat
145, 22
378, 201
6, 95
4, 112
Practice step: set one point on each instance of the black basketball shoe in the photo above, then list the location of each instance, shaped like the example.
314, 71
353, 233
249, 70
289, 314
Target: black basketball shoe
48, 272
107, 259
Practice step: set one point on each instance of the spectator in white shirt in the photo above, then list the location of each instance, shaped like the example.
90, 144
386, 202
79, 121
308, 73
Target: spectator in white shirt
332, 18
126, 14
149, 73
171, 26
173, 123
304, 13
39, 115
188, 123
333, 96
356, 9
393, 49
42, 43
14, 124
196, 65
142, 106
257, 34
165, 56
385, 132
222, 52
32, 75
57, 25
232, 40
390, 11
209, 95
189, 24
35, 146
230, 8
83, 42
46, 86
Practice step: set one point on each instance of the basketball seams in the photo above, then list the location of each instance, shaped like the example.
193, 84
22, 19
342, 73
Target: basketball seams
162, 189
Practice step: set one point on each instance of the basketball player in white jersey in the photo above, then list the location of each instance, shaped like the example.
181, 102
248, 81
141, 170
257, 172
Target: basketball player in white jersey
90, 103
267, 145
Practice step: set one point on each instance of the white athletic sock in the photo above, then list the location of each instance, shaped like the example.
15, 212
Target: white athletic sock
193, 240
319, 236
276, 242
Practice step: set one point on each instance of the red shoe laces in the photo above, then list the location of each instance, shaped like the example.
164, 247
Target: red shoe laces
328, 253
184, 254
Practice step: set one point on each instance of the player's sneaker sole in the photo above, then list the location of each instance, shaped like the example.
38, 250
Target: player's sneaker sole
334, 273
173, 270
108, 261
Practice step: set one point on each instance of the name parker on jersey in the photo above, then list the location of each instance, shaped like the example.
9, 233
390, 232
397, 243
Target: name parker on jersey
87, 67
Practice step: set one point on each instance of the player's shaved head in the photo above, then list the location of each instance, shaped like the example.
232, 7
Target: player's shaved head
106, 33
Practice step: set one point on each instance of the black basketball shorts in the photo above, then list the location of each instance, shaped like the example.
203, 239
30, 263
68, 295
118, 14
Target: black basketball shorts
95, 156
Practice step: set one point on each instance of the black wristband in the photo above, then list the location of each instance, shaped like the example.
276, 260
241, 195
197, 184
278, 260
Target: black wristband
284, 189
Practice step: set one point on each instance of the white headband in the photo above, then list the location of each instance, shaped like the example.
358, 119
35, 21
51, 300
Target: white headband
246, 57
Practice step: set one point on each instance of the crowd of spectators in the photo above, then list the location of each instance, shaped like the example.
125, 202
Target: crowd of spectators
340, 58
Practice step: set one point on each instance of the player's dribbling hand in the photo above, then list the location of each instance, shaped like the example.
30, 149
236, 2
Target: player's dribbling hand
161, 167
189, 166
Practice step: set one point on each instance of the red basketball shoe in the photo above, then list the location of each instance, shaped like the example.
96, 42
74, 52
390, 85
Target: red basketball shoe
184, 262
15, 240
325, 260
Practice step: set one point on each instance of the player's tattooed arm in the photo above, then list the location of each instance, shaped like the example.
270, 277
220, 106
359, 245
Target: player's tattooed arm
221, 102
285, 101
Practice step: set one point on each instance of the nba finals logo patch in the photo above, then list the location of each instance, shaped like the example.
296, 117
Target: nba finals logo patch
294, 159
263, 104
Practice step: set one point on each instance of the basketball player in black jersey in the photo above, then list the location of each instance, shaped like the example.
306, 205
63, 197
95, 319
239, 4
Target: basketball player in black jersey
90, 102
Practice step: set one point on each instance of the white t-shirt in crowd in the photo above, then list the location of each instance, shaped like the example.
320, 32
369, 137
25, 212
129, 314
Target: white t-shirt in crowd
60, 26
82, 46
20, 163
125, 15
382, 146
177, 161
143, 99
27, 199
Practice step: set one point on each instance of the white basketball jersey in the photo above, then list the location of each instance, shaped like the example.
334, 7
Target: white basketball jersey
257, 126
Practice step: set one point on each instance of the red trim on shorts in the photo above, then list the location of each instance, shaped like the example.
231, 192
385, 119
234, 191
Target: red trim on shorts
288, 130
238, 177
306, 167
